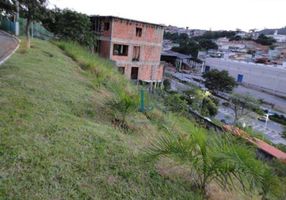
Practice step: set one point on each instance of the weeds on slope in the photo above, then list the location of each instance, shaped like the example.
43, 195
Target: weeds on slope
103, 73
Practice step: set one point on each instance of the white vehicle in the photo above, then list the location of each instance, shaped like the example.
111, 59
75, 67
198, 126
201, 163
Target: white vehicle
206, 118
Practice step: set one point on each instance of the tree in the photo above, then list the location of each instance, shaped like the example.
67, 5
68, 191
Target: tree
212, 158
175, 103
202, 102
189, 47
284, 132
216, 80
216, 34
242, 105
209, 107
264, 40
121, 106
167, 84
7, 6
235, 38
32, 10
207, 44
171, 36
70, 25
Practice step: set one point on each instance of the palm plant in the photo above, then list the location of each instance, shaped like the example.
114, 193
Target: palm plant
272, 186
212, 158
123, 105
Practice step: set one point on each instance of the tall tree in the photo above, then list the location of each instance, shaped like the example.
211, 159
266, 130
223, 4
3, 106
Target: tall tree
7, 6
242, 105
264, 40
216, 80
70, 25
189, 47
207, 44
32, 10
202, 102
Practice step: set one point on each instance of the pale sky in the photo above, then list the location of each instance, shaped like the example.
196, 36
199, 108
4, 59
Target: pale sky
200, 14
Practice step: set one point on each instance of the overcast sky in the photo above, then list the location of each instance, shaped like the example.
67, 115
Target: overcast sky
202, 14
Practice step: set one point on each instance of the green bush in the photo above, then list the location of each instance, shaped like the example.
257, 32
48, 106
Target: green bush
278, 118
70, 25
121, 106
284, 133
103, 72
175, 103
213, 158
167, 84
209, 107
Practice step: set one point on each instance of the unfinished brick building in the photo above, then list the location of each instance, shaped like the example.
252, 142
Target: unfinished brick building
135, 46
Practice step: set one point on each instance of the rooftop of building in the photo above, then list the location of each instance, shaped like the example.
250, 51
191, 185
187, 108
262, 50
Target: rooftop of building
130, 20
175, 54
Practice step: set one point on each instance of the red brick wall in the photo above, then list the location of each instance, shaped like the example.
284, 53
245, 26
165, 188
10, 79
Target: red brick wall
150, 53
150, 41
160, 72
127, 30
145, 72
124, 32
104, 49
103, 32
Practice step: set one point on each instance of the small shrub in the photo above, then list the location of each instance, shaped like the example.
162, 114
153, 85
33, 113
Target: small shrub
213, 159
175, 103
121, 106
284, 133
278, 118
167, 84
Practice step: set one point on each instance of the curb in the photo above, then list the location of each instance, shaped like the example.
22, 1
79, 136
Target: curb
18, 41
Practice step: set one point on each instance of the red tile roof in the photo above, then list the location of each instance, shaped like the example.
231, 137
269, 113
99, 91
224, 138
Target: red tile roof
260, 144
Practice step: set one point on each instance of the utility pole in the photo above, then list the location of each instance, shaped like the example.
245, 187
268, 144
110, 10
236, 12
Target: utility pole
17, 18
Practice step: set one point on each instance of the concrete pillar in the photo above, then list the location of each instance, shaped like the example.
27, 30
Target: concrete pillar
17, 29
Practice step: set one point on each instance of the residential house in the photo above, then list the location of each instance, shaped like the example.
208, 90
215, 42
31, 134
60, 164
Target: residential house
133, 45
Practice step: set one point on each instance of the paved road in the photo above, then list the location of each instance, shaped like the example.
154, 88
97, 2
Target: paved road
271, 130
7, 45
279, 103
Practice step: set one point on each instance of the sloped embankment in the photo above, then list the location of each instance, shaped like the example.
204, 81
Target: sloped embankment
56, 143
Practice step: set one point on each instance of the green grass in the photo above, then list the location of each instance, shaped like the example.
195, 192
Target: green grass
56, 142
58, 139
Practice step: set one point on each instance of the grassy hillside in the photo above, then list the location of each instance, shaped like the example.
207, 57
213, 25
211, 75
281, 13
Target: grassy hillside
57, 144
63, 135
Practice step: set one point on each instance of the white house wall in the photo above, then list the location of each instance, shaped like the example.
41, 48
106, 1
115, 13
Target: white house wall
271, 78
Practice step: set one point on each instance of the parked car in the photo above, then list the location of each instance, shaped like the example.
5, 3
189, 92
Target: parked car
208, 119
263, 118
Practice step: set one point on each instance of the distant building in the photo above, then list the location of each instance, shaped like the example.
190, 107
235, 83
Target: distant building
225, 45
181, 62
278, 37
189, 32
168, 45
134, 46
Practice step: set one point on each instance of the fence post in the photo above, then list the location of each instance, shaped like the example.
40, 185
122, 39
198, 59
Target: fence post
17, 30
142, 109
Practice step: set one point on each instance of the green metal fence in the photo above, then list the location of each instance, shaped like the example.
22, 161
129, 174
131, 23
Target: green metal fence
7, 25
36, 29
